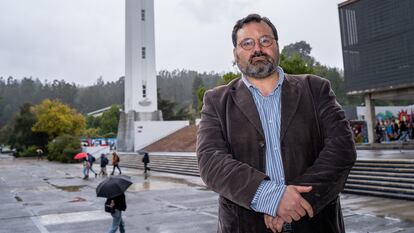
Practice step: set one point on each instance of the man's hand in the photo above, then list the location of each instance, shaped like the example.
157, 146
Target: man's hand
273, 223
293, 206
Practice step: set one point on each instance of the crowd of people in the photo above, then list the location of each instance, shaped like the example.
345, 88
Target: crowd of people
393, 130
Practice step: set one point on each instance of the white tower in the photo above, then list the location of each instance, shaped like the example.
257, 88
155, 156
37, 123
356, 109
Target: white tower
140, 74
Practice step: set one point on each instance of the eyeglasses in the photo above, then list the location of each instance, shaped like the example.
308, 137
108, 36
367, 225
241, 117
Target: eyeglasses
249, 43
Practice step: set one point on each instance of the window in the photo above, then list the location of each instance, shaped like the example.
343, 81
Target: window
144, 91
143, 52
142, 15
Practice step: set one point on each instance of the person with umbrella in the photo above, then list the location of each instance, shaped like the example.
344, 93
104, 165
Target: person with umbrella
84, 157
113, 189
118, 204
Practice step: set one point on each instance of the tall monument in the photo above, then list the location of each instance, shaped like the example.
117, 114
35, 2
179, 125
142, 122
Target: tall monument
140, 75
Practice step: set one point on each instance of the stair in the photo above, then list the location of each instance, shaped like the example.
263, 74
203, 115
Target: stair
391, 178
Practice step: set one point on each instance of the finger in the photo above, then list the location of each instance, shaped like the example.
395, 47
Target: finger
269, 224
287, 218
301, 211
295, 215
303, 189
279, 225
305, 205
267, 221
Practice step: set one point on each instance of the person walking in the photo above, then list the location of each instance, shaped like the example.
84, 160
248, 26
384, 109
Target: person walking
146, 161
39, 152
86, 166
104, 162
118, 204
115, 163
276, 147
91, 160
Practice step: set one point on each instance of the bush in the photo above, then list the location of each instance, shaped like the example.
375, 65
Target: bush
29, 152
64, 148
110, 135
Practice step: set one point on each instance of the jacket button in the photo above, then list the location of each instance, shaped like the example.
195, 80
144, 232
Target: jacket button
261, 144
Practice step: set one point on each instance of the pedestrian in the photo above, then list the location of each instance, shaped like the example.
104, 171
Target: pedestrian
146, 160
404, 133
117, 204
276, 147
91, 160
115, 163
86, 166
104, 162
39, 152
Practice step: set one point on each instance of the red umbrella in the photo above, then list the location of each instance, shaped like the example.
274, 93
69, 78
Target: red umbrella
80, 155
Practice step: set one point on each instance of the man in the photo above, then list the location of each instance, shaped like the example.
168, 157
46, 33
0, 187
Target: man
276, 147
118, 204
146, 160
104, 162
39, 152
115, 163
91, 160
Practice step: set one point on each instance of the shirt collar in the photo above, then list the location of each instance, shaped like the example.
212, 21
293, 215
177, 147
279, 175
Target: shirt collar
279, 82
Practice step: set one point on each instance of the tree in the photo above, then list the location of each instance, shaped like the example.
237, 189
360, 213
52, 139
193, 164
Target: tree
301, 49
295, 65
109, 120
18, 132
56, 118
197, 83
228, 77
200, 94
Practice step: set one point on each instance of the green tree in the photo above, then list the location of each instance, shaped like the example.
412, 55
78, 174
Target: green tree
19, 130
55, 118
63, 148
109, 120
301, 49
200, 94
197, 83
295, 65
228, 77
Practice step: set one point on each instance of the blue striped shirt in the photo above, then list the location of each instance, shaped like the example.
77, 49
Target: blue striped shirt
269, 193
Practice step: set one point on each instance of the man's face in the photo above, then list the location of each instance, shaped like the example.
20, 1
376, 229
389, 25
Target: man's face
258, 62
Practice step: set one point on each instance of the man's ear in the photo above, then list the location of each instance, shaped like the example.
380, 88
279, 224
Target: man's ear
235, 57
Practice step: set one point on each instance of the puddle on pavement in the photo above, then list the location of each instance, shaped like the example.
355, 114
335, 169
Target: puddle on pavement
70, 188
78, 199
161, 183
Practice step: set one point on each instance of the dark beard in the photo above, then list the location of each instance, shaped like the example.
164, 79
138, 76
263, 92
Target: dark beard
261, 69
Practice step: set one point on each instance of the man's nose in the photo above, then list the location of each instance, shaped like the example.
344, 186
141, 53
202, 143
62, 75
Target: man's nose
257, 47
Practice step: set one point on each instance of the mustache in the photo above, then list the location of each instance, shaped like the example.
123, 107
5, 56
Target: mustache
258, 54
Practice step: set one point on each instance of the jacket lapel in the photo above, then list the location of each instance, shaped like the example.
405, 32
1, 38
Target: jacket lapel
244, 101
290, 103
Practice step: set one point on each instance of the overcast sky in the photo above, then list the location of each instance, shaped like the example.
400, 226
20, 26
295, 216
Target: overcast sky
81, 40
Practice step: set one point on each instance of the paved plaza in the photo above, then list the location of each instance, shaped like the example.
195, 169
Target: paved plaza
41, 196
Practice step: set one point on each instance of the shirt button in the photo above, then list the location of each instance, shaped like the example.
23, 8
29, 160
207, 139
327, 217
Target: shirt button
261, 144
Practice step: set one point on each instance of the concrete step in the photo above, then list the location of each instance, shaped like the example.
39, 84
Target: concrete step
381, 178
379, 194
384, 169
379, 183
382, 174
379, 188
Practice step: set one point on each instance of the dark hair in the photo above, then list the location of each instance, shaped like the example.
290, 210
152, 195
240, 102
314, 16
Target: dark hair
250, 18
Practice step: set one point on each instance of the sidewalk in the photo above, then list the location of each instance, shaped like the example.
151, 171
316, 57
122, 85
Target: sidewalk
48, 197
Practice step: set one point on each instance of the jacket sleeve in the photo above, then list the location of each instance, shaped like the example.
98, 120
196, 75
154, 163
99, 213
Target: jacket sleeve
222, 173
329, 172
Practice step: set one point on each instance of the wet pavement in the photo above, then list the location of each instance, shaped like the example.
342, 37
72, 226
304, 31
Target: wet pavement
41, 196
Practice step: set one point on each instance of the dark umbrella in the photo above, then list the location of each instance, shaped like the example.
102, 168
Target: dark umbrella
113, 186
